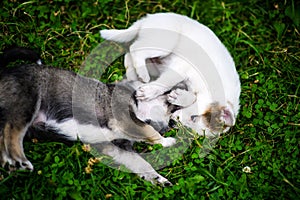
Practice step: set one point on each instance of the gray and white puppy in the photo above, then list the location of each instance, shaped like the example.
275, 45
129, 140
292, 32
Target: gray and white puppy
75, 107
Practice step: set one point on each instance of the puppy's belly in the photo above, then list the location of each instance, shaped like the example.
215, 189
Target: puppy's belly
86, 133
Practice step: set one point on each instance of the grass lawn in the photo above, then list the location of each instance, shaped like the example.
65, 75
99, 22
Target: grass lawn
264, 40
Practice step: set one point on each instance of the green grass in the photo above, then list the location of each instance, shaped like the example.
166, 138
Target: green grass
264, 40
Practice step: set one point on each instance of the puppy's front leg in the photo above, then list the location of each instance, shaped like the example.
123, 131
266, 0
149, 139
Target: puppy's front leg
140, 131
162, 84
131, 74
153, 137
132, 161
182, 98
138, 59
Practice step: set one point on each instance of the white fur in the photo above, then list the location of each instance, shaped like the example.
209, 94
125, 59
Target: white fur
88, 133
189, 51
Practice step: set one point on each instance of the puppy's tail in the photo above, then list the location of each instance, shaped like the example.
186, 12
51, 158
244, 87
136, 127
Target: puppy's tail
19, 53
121, 36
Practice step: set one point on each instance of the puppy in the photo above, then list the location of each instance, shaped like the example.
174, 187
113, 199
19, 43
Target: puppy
169, 48
53, 100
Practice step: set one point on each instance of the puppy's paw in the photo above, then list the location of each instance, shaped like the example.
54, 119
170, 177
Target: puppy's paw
20, 165
13, 165
149, 92
181, 97
155, 178
167, 142
25, 165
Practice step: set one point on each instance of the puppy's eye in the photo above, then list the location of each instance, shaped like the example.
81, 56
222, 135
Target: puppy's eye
148, 121
195, 118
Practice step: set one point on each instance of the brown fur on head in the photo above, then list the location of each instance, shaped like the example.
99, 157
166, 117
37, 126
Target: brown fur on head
217, 118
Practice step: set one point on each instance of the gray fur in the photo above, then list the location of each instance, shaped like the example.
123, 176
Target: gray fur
47, 98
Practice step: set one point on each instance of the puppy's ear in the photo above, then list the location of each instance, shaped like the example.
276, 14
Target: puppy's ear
227, 117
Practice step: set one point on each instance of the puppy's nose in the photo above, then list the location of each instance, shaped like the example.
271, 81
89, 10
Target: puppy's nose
164, 129
172, 123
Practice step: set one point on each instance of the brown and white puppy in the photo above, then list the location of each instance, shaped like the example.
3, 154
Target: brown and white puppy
167, 48
75, 107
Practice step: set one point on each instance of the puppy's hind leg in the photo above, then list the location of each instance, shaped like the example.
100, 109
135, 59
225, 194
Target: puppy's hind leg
11, 143
16, 116
4, 155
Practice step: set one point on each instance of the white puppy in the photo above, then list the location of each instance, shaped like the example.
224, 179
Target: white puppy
170, 48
